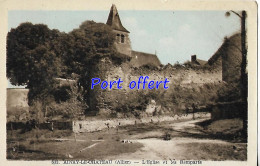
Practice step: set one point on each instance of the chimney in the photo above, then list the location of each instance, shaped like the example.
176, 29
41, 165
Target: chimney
193, 58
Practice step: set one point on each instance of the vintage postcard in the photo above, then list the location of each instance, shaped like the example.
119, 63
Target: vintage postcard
159, 82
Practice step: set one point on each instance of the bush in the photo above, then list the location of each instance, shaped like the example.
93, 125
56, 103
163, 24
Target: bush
72, 108
61, 94
118, 59
229, 92
177, 65
17, 114
149, 66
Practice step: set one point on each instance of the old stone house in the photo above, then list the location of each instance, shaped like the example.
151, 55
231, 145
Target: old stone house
197, 61
229, 58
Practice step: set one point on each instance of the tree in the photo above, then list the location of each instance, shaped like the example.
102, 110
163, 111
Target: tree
89, 40
31, 59
36, 56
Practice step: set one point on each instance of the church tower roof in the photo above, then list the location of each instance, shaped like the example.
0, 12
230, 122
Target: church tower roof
114, 20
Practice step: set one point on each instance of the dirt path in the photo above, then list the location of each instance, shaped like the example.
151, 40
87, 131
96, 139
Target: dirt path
142, 141
186, 147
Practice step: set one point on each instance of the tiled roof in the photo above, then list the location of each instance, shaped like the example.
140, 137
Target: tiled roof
141, 58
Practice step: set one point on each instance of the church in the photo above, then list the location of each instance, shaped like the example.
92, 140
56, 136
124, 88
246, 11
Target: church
123, 43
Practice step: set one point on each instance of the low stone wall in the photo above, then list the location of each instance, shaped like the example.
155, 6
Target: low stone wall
97, 125
46, 125
56, 125
17, 99
15, 125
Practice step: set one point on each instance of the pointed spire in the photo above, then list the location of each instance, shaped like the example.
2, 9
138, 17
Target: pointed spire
114, 20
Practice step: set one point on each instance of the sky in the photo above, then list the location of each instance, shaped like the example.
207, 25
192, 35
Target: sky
172, 35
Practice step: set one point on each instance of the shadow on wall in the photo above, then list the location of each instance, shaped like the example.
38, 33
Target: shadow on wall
228, 110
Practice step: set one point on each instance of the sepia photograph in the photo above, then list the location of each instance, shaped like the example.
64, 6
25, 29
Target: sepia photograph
130, 85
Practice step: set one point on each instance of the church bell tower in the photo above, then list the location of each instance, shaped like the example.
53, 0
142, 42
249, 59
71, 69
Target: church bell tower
122, 42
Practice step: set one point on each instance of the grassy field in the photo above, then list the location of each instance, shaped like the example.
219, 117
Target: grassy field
226, 129
62, 144
197, 139
215, 152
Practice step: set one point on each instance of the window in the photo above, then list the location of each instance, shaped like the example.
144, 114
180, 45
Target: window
80, 126
122, 38
118, 38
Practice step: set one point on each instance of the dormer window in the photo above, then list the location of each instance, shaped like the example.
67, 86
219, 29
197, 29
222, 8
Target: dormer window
122, 38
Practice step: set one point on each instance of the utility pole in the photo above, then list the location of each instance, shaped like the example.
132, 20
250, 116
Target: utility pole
244, 78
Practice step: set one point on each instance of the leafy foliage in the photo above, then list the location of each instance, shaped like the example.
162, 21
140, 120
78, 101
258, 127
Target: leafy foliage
31, 60
28, 49
72, 108
149, 66
36, 111
229, 92
89, 40
36, 56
